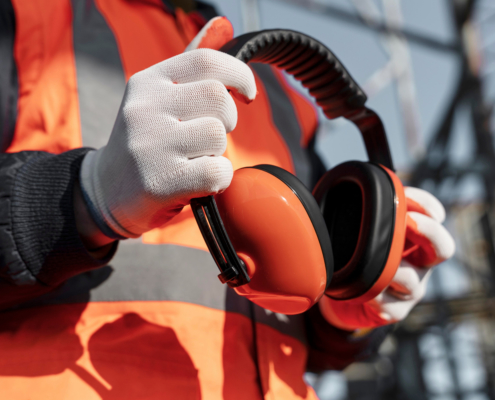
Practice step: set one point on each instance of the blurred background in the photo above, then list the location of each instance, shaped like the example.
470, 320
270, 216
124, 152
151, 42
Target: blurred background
428, 68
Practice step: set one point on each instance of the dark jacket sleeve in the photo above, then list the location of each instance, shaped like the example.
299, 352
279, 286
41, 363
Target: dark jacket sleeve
40, 247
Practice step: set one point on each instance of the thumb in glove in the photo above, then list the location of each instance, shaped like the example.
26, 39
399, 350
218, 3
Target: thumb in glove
216, 33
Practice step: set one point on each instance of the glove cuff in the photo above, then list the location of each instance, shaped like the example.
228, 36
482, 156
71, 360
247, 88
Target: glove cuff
94, 198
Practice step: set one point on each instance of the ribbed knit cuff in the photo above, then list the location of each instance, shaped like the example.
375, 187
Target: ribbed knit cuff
88, 194
44, 226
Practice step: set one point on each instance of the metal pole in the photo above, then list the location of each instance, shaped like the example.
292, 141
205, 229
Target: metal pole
250, 15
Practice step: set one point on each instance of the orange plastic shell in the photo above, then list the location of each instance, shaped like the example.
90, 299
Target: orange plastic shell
397, 247
273, 234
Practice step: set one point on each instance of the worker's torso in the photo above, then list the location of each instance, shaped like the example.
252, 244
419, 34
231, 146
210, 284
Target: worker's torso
156, 323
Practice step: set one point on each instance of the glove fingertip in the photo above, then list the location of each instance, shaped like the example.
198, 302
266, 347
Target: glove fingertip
432, 237
222, 172
447, 249
245, 98
421, 201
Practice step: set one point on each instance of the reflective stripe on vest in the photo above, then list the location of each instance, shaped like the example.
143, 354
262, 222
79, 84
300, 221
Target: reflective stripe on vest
100, 76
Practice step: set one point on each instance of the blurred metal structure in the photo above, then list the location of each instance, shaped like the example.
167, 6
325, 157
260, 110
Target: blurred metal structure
250, 15
398, 68
444, 317
446, 348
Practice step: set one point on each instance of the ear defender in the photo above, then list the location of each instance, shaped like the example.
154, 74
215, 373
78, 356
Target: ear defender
278, 231
282, 246
364, 208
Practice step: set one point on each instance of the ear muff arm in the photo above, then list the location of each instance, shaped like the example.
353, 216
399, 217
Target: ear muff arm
320, 71
373, 133
232, 270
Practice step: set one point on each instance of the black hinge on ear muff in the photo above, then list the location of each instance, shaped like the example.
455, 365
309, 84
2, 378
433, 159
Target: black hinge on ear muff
232, 270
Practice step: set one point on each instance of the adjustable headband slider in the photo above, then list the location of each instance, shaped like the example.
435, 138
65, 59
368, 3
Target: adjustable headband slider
234, 278
228, 275
233, 272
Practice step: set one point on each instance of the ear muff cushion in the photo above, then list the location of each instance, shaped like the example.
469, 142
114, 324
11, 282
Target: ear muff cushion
311, 207
357, 201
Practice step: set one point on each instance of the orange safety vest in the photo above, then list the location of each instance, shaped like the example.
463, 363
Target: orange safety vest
157, 324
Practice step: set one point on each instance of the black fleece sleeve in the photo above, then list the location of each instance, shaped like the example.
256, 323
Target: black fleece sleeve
40, 247
333, 348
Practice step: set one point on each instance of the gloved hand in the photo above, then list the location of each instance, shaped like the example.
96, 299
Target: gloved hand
427, 244
168, 139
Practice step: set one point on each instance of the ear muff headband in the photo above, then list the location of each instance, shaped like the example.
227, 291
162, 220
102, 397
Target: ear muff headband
317, 68
311, 207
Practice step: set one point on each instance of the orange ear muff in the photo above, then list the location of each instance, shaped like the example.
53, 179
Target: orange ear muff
364, 208
279, 233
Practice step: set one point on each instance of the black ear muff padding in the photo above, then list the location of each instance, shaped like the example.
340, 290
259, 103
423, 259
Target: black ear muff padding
357, 200
311, 207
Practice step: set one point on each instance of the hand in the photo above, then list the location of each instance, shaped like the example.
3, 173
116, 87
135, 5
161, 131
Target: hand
427, 244
167, 143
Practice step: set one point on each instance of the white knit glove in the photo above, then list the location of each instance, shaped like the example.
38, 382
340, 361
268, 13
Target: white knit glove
428, 243
167, 142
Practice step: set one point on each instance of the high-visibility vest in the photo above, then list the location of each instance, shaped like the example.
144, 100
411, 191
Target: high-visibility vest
157, 323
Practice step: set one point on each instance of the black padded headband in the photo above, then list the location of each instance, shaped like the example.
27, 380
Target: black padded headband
312, 63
